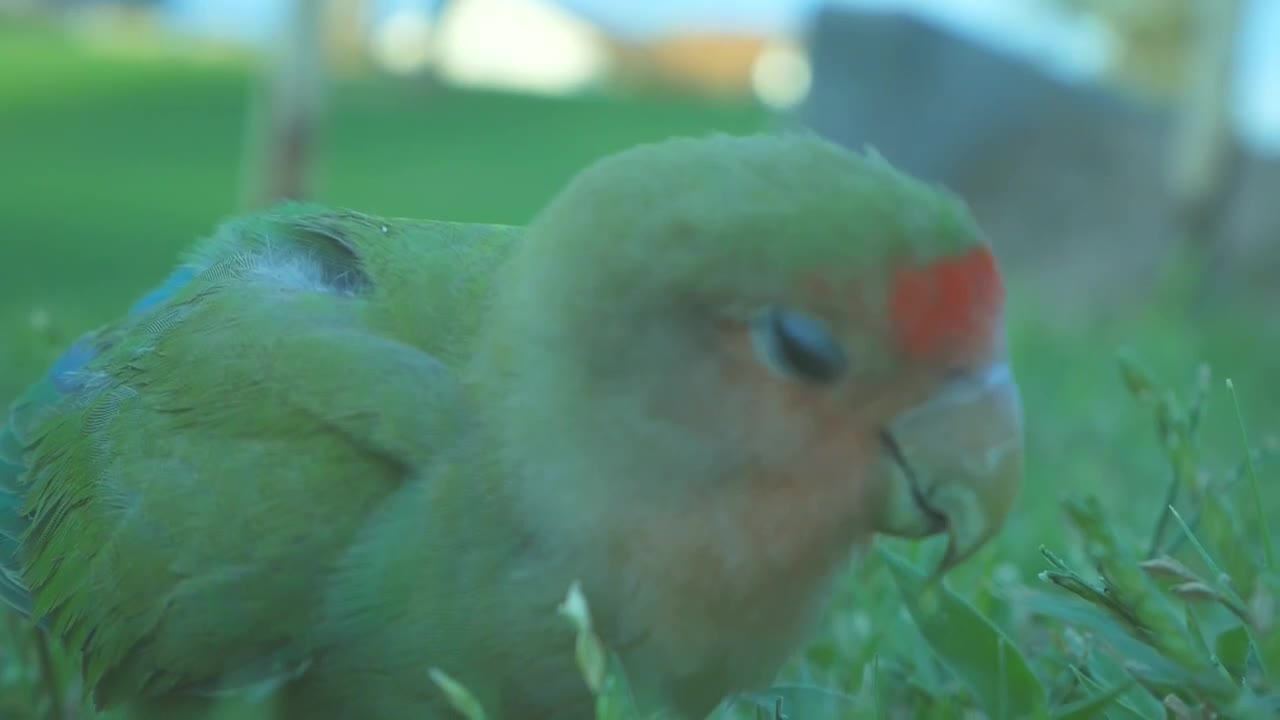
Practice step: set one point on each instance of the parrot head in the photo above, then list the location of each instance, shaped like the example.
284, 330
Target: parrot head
731, 361
770, 321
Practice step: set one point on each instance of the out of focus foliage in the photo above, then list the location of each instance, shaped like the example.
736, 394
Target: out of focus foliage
1154, 39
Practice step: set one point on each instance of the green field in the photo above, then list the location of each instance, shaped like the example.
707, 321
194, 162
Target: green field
110, 166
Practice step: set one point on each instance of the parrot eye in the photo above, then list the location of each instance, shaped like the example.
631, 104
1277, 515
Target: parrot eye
797, 346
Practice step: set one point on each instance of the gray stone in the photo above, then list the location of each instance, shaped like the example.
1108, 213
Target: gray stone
1068, 179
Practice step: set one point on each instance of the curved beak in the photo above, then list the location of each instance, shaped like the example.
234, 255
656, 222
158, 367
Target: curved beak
956, 463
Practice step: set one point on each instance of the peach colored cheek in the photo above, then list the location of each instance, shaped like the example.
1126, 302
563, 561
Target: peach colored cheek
827, 479
834, 437
953, 300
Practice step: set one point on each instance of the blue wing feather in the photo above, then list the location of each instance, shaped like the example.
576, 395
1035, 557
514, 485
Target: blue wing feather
65, 377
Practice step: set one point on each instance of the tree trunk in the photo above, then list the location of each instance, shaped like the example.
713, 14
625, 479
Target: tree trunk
285, 112
1205, 156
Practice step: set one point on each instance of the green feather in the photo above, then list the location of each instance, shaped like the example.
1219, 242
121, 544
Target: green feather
207, 420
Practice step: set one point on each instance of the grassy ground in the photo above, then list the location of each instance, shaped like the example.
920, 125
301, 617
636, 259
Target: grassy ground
109, 167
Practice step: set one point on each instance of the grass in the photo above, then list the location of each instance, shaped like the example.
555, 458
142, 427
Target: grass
1098, 599
113, 166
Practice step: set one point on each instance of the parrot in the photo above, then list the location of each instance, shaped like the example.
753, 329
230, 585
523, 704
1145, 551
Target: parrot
334, 452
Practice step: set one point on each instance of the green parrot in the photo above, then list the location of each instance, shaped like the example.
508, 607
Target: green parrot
335, 451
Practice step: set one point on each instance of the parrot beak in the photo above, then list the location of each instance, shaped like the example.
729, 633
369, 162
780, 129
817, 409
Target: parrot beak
956, 463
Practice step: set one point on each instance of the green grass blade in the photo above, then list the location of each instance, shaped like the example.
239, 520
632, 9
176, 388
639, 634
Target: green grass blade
804, 701
1074, 612
970, 645
1268, 553
1092, 707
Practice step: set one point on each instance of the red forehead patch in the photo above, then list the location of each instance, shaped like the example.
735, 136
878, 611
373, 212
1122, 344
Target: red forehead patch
956, 297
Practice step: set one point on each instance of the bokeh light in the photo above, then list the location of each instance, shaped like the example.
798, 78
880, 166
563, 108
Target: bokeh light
781, 75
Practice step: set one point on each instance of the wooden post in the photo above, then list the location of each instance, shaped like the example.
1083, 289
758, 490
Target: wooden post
1205, 153
285, 111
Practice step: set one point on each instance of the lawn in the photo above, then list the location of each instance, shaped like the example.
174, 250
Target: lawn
111, 165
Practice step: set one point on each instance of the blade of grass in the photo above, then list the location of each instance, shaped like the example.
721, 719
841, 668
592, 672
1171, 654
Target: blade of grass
1092, 707
1268, 553
1223, 588
967, 642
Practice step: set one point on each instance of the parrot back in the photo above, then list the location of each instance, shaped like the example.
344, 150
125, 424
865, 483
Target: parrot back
58, 384
175, 489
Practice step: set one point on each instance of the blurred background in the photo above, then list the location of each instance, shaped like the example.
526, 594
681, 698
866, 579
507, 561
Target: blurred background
1123, 156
